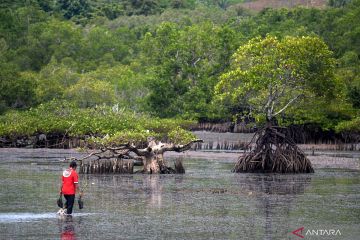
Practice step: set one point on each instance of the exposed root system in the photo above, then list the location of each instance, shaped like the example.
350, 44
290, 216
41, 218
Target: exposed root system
274, 152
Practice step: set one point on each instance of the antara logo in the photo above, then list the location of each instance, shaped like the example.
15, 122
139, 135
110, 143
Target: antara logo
298, 232
316, 232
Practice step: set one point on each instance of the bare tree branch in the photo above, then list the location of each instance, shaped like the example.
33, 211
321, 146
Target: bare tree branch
131, 147
180, 148
197, 60
287, 105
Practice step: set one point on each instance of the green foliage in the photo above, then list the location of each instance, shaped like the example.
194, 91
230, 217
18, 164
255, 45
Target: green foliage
17, 90
270, 75
223, 4
73, 8
327, 114
349, 73
101, 41
349, 126
127, 86
137, 137
89, 93
187, 63
54, 79
53, 39
338, 3
180, 136
119, 126
165, 57
354, 95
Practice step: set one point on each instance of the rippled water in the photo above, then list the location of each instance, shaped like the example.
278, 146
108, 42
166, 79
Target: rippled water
208, 202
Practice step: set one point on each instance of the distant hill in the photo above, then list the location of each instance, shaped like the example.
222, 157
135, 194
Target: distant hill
258, 5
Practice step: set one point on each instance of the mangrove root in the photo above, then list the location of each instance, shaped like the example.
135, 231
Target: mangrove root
275, 152
121, 159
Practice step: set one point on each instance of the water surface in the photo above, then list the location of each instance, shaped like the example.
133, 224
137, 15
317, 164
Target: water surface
208, 202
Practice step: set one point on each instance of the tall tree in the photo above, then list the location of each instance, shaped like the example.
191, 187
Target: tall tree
268, 76
187, 62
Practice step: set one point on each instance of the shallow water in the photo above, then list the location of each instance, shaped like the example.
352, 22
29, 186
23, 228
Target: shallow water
208, 202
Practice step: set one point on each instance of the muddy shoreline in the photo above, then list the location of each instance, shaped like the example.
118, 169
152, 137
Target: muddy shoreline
319, 159
214, 141
324, 159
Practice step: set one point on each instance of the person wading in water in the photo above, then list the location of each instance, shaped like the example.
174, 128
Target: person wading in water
69, 186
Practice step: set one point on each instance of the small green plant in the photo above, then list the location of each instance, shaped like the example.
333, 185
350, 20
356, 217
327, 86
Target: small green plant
66, 119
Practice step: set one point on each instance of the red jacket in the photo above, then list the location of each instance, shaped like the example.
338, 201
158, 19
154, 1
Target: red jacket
69, 179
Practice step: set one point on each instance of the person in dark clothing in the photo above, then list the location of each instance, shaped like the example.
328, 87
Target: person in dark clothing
69, 186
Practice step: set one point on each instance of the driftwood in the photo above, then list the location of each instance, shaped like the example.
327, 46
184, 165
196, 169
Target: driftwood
274, 151
122, 158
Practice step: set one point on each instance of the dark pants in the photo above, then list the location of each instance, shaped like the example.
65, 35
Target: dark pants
69, 203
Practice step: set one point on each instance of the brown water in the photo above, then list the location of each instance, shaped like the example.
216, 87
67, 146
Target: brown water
208, 202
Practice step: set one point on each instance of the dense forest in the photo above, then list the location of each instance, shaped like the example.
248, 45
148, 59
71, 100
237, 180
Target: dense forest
164, 62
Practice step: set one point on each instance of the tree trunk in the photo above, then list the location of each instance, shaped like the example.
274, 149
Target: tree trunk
154, 163
152, 158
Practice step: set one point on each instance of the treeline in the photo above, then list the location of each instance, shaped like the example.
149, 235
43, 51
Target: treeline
81, 11
54, 123
161, 57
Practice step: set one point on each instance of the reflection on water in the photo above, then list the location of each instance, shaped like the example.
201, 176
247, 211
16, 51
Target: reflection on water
67, 228
274, 197
208, 202
279, 184
155, 187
